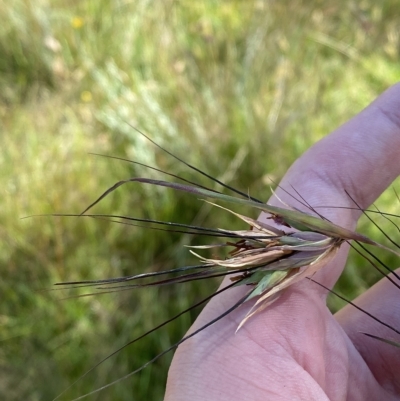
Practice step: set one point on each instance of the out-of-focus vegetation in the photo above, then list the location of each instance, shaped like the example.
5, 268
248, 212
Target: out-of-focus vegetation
238, 88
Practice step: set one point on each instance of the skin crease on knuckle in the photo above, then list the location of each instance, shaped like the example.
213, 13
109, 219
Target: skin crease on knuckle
296, 350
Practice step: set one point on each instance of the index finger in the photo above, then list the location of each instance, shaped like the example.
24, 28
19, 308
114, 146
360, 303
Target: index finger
361, 158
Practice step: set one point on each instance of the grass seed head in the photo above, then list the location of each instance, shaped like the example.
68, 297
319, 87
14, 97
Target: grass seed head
271, 260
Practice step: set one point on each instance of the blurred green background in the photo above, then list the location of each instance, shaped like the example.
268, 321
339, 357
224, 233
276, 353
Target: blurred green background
238, 88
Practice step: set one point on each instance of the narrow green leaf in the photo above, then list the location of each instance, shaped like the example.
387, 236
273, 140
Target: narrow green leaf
296, 219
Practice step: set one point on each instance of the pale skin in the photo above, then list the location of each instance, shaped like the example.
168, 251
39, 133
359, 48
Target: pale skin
296, 349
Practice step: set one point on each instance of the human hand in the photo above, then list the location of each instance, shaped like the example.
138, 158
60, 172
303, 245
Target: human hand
296, 349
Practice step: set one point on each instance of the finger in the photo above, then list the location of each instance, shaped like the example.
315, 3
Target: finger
382, 301
361, 157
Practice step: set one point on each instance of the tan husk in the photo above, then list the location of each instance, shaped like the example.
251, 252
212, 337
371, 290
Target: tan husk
272, 260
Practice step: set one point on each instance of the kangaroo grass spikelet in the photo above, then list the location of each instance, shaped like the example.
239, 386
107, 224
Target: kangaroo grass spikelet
265, 259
